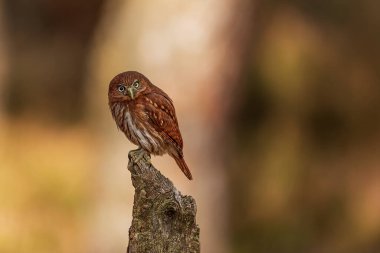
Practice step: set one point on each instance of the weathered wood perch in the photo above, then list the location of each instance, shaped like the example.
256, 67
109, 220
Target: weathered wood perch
163, 219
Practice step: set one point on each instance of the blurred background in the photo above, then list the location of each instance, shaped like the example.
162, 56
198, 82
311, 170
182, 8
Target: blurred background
278, 103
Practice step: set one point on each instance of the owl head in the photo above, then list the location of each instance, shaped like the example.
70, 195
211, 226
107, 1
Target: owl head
128, 86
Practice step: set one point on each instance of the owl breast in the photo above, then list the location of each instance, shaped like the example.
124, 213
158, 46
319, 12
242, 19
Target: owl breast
137, 130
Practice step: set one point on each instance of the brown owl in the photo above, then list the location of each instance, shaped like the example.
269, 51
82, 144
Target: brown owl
147, 116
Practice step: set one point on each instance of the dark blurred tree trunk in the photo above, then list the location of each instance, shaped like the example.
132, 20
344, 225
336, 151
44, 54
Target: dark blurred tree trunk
48, 46
307, 114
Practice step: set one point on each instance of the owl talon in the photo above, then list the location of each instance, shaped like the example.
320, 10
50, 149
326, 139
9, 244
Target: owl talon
138, 154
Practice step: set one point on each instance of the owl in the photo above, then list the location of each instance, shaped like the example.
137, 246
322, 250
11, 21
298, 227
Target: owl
146, 115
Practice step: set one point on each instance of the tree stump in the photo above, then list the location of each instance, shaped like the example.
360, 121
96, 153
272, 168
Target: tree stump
163, 219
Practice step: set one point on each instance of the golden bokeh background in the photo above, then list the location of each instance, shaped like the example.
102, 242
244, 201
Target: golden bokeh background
278, 103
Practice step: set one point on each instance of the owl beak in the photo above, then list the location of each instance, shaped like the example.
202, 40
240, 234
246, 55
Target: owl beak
131, 92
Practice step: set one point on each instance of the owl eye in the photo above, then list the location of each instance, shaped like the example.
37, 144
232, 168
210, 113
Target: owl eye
121, 88
136, 84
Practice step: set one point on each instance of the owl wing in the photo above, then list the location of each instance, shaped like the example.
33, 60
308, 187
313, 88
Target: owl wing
161, 113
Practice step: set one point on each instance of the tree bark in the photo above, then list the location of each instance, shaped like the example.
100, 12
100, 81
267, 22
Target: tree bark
163, 219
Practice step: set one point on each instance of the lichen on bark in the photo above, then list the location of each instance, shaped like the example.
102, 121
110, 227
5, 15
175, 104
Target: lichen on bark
163, 219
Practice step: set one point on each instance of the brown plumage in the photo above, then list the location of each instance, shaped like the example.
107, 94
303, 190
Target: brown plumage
147, 116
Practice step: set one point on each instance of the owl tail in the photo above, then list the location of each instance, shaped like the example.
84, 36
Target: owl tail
183, 166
